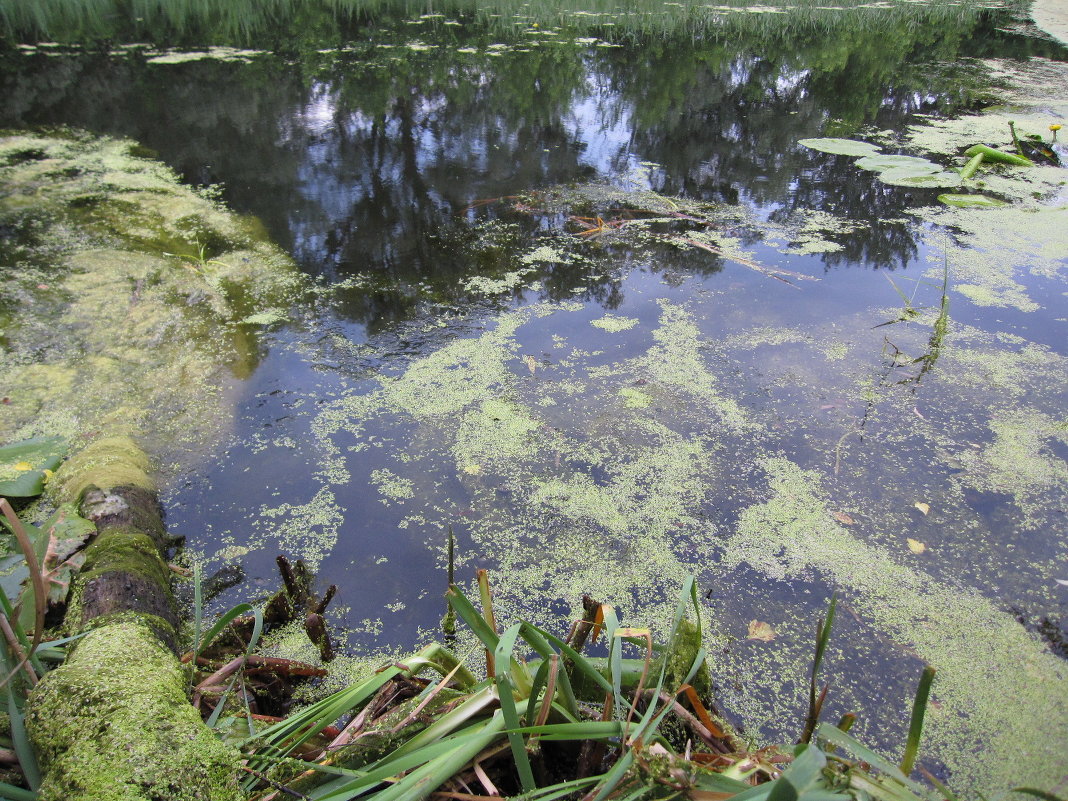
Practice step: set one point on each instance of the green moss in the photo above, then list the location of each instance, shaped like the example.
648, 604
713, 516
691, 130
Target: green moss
113, 723
106, 463
127, 551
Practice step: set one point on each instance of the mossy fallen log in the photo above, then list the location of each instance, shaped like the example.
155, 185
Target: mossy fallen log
114, 722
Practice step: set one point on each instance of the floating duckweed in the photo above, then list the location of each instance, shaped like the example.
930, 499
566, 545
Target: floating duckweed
634, 398
309, 530
1019, 461
391, 486
793, 532
614, 324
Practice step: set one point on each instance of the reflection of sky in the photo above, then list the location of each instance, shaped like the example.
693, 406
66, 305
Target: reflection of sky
603, 123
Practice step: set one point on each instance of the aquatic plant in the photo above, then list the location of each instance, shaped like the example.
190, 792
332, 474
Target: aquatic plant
31, 558
561, 725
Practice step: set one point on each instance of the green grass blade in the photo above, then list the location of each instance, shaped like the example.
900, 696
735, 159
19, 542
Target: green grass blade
611, 779
541, 678
502, 655
476, 704
563, 789
1036, 793
919, 707
420, 783
615, 658
579, 662
563, 682
13, 793
220, 625
584, 730
213, 718
198, 609
467, 612
439, 761
823, 635
21, 742
846, 742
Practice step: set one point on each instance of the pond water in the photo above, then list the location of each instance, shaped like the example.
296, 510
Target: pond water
584, 301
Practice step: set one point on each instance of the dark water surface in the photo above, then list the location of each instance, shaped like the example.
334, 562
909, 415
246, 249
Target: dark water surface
387, 152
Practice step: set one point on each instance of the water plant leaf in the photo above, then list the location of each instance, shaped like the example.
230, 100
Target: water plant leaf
25, 466
910, 176
992, 154
971, 201
759, 630
882, 162
919, 708
841, 147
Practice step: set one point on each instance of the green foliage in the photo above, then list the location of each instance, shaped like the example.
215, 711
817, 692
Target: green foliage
524, 707
26, 466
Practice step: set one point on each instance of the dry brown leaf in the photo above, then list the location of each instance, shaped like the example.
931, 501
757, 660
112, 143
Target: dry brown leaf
531, 362
844, 519
758, 630
915, 545
923, 507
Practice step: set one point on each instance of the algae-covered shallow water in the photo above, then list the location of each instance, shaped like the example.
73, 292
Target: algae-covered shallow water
581, 298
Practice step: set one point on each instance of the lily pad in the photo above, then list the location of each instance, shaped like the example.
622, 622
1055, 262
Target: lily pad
907, 176
25, 466
841, 147
972, 201
881, 163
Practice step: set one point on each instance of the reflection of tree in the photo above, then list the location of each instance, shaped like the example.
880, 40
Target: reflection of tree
356, 160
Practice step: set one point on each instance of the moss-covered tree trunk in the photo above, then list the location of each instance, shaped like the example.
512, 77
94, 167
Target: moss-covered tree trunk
114, 721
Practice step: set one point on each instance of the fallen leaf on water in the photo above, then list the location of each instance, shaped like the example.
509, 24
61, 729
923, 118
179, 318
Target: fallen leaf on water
1061, 581
844, 519
758, 630
916, 546
923, 507
531, 362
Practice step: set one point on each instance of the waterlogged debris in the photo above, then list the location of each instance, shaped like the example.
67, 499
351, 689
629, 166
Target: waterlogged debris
923, 507
841, 147
759, 630
844, 519
971, 201
915, 545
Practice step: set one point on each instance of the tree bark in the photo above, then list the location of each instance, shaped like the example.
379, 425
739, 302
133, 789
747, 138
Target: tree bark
114, 722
